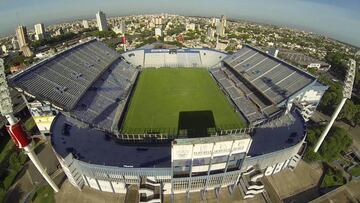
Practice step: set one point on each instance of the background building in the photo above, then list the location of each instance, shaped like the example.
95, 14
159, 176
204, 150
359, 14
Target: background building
158, 32
120, 28
190, 26
157, 21
21, 35
39, 31
4, 49
220, 27
215, 21
210, 33
101, 21
85, 24
15, 43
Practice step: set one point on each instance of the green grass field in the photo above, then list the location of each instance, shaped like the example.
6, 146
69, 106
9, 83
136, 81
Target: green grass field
173, 98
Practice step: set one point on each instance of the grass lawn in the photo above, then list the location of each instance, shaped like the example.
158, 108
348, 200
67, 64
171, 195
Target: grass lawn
172, 98
44, 194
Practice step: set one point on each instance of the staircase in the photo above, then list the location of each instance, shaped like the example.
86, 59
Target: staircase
150, 191
250, 184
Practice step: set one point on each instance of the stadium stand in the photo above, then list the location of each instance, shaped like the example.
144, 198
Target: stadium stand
135, 57
169, 58
91, 81
106, 96
62, 79
210, 58
258, 84
174, 58
246, 102
273, 78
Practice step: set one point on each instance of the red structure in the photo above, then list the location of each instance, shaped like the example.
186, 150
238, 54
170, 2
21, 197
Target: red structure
123, 39
18, 135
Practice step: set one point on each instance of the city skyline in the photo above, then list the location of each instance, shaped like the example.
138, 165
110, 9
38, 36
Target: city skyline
335, 19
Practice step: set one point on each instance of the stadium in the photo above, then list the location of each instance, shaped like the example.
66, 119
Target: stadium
169, 121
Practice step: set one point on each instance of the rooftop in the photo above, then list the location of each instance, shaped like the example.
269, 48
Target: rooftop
94, 146
271, 139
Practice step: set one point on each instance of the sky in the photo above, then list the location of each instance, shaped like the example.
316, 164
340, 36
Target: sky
338, 19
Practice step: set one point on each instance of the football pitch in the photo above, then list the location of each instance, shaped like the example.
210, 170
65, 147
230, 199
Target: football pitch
171, 99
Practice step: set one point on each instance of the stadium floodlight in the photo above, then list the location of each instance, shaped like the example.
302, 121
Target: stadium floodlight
347, 91
5, 101
15, 129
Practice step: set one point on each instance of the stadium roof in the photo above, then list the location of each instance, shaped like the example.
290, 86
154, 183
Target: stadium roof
282, 137
65, 77
94, 146
273, 78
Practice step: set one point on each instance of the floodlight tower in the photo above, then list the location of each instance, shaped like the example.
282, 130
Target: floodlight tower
15, 129
348, 86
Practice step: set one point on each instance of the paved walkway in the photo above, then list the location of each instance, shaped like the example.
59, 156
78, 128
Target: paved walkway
224, 197
68, 194
303, 180
347, 193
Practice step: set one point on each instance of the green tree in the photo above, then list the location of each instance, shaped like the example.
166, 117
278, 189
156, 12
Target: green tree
176, 30
349, 111
356, 118
14, 163
313, 135
332, 96
338, 66
336, 142
54, 40
102, 34
2, 194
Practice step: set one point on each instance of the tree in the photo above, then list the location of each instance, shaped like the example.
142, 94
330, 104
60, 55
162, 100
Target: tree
357, 81
330, 100
313, 135
349, 111
14, 163
101, 34
336, 142
332, 96
176, 30
53, 40
2, 194
230, 48
356, 118
338, 67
